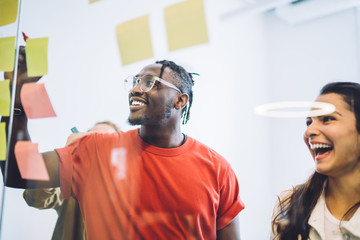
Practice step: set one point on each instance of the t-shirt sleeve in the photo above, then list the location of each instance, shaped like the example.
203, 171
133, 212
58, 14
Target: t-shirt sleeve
75, 161
230, 202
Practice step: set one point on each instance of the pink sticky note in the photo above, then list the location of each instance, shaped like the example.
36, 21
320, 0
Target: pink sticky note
30, 161
35, 101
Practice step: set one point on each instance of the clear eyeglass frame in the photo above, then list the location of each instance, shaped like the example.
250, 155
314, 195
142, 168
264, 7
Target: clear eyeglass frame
146, 83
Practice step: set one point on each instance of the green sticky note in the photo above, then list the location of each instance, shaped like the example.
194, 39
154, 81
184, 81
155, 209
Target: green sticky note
134, 40
185, 24
2, 141
8, 11
5, 98
7, 54
36, 56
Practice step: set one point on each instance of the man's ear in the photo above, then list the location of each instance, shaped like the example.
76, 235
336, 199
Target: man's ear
181, 100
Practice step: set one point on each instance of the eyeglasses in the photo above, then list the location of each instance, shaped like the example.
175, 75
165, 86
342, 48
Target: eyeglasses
146, 83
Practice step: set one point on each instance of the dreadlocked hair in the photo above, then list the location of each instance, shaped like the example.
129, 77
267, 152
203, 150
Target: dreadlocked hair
184, 82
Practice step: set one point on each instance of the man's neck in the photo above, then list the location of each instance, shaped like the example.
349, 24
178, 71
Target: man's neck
162, 137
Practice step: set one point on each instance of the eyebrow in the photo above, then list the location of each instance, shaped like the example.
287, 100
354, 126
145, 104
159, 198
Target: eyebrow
338, 113
325, 115
137, 75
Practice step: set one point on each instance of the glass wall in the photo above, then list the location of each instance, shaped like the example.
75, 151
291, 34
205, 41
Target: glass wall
246, 52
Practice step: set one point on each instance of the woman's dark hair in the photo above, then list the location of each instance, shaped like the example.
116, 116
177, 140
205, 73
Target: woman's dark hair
184, 82
350, 91
296, 208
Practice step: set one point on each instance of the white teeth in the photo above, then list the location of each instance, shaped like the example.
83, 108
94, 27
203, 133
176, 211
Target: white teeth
137, 103
319, 145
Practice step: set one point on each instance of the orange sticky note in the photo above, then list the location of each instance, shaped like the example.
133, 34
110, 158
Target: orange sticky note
36, 101
2, 141
7, 54
185, 24
36, 56
134, 40
5, 98
30, 162
8, 11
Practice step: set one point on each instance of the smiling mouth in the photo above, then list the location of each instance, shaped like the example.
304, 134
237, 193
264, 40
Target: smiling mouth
321, 150
136, 103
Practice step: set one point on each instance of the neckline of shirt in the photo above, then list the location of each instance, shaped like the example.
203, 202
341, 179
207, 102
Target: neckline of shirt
167, 152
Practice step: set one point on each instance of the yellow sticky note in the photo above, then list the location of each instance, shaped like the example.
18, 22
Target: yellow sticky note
8, 11
185, 24
134, 40
36, 56
2, 141
7, 54
92, 1
5, 98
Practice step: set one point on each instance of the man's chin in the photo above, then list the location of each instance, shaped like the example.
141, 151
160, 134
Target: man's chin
135, 121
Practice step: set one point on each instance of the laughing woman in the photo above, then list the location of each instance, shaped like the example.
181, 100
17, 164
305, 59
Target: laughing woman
327, 205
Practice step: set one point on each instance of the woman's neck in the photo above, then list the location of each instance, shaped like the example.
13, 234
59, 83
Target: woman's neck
342, 193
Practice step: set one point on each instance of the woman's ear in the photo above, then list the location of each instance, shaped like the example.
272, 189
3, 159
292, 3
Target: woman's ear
181, 100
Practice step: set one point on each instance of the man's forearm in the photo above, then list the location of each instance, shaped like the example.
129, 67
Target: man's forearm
19, 129
230, 232
19, 132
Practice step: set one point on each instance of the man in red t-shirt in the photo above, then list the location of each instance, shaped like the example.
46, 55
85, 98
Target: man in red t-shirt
150, 183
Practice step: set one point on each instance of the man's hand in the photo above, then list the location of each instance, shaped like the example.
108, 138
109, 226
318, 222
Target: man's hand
22, 76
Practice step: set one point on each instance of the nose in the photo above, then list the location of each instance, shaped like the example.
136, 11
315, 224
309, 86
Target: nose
312, 130
136, 90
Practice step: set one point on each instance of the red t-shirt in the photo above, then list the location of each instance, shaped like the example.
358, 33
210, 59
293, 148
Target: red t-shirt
128, 189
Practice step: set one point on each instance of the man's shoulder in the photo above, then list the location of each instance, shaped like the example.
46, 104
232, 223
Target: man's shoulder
107, 138
204, 148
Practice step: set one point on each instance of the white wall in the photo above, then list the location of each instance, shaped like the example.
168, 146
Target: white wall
249, 60
303, 58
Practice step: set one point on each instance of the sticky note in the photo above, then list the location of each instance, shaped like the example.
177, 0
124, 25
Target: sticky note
2, 141
185, 24
134, 40
5, 98
7, 54
36, 101
36, 56
92, 1
30, 162
8, 11
118, 160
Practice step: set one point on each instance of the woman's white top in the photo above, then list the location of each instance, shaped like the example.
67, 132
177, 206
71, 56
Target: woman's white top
323, 225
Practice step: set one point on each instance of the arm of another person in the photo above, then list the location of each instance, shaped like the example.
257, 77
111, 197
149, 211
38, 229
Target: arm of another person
43, 198
230, 232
